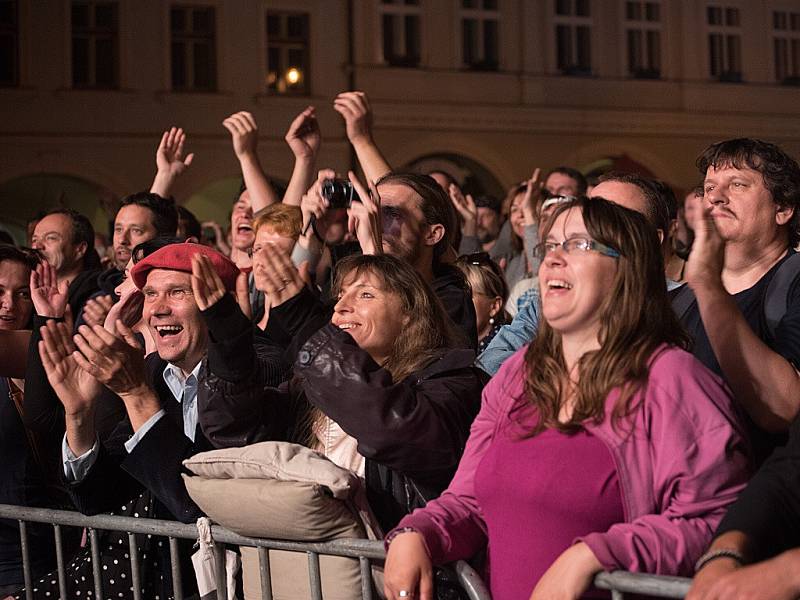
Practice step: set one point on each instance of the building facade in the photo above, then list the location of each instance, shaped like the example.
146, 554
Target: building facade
487, 89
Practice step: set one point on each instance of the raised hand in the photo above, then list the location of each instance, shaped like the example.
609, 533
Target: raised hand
244, 133
276, 275
364, 218
114, 358
48, 295
75, 388
533, 198
207, 285
304, 136
707, 258
96, 309
465, 206
169, 156
355, 109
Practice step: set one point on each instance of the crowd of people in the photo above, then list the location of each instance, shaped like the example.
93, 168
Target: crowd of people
582, 376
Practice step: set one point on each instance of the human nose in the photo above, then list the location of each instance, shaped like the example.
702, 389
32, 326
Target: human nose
7, 300
713, 196
556, 256
343, 305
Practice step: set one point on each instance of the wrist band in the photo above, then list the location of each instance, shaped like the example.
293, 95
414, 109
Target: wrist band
715, 554
397, 532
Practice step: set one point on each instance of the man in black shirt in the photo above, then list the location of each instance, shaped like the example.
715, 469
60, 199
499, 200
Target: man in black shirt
746, 227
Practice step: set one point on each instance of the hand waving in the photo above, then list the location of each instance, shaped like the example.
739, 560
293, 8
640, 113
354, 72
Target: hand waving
355, 108
304, 137
244, 133
48, 295
169, 156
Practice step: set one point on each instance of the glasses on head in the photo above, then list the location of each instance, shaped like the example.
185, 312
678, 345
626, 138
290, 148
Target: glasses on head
573, 246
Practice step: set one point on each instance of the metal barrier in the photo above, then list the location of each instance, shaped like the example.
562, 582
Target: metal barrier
618, 582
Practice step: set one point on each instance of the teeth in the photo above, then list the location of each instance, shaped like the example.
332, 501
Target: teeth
347, 326
168, 329
559, 283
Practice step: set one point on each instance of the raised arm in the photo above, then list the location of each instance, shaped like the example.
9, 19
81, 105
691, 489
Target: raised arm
355, 109
765, 383
170, 162
244, 135
304, 139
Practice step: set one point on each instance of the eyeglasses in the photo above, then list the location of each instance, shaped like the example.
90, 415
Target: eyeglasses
573, 246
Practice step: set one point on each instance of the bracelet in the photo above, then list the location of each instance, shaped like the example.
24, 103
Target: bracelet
397, 532
715, 554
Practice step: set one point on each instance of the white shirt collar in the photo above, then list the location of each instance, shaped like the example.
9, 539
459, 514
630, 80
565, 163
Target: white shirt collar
177, 382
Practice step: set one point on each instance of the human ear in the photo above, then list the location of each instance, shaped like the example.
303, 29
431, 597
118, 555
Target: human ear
783, 214
434, 235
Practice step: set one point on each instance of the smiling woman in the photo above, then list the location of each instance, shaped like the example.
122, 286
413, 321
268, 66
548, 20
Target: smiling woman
383, 371
603, 445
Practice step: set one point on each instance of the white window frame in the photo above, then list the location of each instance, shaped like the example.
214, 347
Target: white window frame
480, 15
573, 21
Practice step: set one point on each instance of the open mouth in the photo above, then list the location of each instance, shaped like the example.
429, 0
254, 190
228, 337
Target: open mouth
558, 284
346, 326
244, 229
165, 331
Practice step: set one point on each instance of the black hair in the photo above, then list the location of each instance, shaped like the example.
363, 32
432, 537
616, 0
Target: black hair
780, 171
145, 249
579, 178
26, 256
659, 197
164, 213
82, 231
191, 226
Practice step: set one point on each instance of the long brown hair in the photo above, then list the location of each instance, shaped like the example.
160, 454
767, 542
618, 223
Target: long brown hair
429, 332
636, 318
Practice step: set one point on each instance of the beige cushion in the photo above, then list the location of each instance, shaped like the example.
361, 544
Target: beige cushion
280, 461
274, 509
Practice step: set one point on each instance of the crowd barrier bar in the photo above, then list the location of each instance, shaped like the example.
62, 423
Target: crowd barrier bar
618, 582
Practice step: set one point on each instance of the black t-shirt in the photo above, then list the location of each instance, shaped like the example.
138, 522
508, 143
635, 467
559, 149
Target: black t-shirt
785, 342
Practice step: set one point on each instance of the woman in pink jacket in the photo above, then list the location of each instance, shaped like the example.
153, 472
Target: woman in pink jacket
603, 445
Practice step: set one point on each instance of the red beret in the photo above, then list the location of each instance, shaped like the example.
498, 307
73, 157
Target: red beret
178, 257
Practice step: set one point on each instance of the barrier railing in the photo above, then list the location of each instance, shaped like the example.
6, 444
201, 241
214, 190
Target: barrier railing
618, 582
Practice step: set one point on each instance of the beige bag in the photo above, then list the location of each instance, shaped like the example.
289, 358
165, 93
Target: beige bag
282, 491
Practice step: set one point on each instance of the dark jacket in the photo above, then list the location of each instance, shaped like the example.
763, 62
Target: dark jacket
452, 288
149, 477
412, 433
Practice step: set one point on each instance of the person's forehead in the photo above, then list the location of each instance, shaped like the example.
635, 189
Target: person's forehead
619, 192
361, 278
567, 223
14, 273
560, 180
165, 278
266, 233
728, 170
397, 194
57, 222
134, 214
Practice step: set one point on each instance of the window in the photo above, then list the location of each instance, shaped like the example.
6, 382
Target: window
480, 20
9, 43
724, 43
287, 53
194, 48
573, 23
95, 45
401, 34
786, 34
643, 37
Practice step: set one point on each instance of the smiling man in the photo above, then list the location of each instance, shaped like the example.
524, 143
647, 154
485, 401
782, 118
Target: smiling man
746, 229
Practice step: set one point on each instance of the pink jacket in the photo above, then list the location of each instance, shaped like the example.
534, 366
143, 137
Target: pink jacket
680, 464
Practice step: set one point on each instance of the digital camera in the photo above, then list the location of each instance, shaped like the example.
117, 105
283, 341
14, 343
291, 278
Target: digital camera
339, 193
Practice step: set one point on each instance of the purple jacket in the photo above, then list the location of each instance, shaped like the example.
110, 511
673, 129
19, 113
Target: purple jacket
681, 458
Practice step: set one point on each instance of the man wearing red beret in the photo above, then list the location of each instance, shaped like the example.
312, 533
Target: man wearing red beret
145, 452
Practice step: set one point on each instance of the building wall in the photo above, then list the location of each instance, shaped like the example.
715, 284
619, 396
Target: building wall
521, 116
